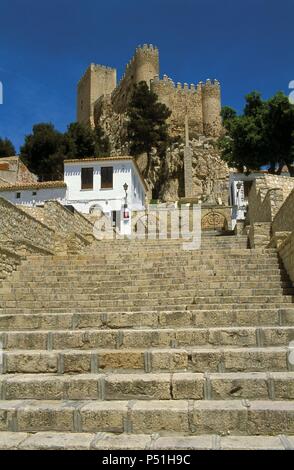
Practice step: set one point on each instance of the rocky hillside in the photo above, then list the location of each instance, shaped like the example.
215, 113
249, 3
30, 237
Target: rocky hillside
165, 176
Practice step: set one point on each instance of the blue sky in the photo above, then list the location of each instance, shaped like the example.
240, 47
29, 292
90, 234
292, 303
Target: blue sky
45, 46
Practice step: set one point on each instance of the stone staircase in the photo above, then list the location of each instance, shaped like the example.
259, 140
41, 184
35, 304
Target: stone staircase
144, 345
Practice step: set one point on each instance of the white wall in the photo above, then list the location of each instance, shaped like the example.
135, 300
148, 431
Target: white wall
137, 191
237, 196
107, 199
234, 179
27, 198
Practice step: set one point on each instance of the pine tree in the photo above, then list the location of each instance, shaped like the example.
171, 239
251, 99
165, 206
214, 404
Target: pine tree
147, 127
262, 136
6, 148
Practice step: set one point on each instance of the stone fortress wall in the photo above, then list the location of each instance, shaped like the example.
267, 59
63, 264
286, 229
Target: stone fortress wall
97, 81
202, 104
143, 66
270, 219
98, 90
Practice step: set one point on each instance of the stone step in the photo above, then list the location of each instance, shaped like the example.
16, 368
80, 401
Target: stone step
156, 258
152, 386
149, 272
134, 258
240, 417
185, 318
92, 307
149, 301
96, 248
94, 293
155, 284
192, 359
125, 441
184, 244
162, 264
148, 338
162, 258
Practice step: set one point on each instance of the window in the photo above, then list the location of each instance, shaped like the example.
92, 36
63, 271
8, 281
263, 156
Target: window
18, 195
107, 177
87, 178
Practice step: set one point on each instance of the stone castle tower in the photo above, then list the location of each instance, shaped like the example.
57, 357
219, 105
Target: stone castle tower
98, 90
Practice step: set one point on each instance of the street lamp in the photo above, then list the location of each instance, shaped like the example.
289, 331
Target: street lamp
126, 212
125, 186
239, 186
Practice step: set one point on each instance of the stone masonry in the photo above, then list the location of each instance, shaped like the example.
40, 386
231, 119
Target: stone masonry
101, 101
139, 344
270, 220
99, 93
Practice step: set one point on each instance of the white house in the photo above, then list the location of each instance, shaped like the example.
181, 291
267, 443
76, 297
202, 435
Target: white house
31, 194
113, 185
99, 183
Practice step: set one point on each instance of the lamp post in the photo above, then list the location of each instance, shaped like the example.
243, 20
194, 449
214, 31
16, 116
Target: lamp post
239, 186
125, 186
126, 214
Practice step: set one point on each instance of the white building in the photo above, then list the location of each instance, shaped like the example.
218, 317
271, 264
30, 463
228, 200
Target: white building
240, 185
113, 185
99, 183
32, 194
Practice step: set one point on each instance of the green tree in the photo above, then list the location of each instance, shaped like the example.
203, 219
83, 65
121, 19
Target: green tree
45, 150
147, 127
102, 144
6, 148
262, 136
279, 133
254, 105
82, 141
227, 114
42, 152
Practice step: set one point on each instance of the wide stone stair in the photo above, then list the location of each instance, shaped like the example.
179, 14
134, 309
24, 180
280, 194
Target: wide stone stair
146, 345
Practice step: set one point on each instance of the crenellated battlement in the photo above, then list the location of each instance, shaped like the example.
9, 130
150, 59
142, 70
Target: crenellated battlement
96, 68
143, 66
98, 80
201, 101
166, 81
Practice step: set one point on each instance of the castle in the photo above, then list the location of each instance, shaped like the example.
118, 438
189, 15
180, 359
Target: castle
99, 93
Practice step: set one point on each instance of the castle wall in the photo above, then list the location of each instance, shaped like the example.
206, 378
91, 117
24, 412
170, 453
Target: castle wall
180, 99
202, 103
97, 81
211, 108
144, 66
